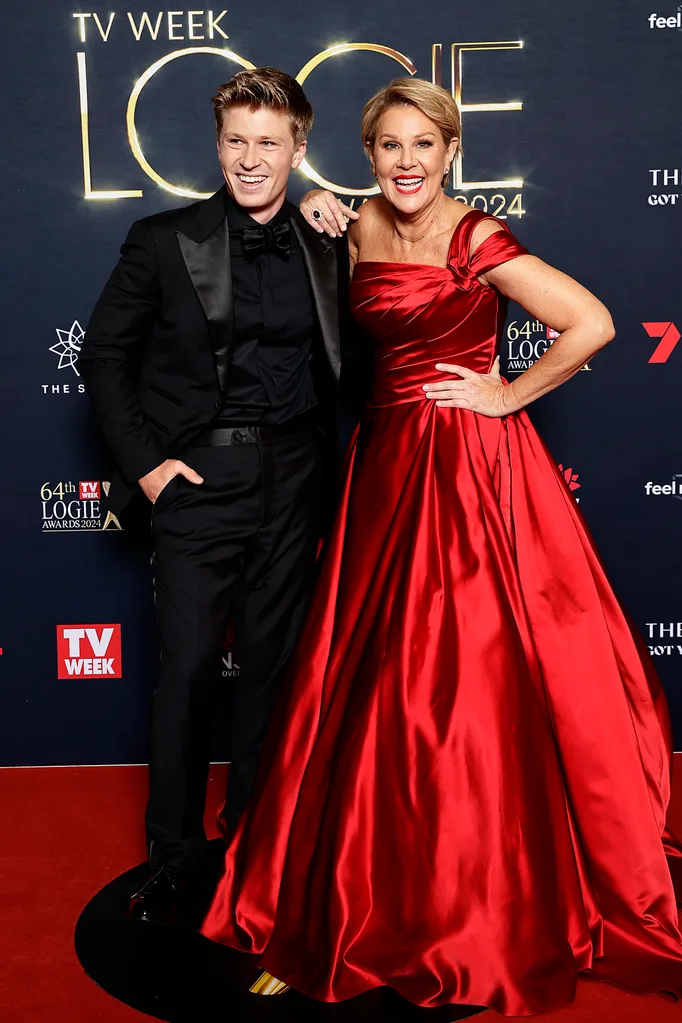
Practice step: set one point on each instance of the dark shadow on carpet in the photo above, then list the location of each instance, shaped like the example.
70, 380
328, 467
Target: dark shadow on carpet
175, 974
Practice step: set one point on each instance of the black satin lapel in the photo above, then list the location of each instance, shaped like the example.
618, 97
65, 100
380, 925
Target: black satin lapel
320, 260
208, 265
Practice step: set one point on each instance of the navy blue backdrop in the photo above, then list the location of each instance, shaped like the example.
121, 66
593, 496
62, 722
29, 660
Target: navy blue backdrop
571, 132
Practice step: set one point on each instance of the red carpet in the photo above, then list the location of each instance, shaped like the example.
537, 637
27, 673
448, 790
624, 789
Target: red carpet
68, 831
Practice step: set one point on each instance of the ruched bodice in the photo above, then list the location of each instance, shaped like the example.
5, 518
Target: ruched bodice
418, 315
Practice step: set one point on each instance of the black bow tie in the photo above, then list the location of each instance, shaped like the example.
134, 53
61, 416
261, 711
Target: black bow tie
267, 239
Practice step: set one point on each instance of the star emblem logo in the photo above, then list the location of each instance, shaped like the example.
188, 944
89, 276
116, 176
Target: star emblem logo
570, 477
68, 347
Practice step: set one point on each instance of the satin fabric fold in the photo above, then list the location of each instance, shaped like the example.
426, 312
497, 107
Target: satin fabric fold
463, 792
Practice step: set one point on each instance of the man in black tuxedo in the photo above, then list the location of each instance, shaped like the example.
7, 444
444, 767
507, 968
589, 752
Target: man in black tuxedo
213, 358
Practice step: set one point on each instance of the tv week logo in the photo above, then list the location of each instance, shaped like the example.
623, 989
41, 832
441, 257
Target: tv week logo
89, 651
89, 490
669, 335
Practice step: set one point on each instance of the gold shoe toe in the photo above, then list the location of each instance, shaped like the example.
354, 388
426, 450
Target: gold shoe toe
268, 985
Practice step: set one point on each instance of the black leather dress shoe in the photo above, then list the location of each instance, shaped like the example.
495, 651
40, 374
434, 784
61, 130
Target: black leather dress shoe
158, 901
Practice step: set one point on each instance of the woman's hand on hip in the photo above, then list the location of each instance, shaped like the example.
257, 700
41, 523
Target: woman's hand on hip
325, 212
484, 393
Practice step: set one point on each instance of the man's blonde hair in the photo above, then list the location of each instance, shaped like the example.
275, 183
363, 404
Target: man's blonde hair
266, 87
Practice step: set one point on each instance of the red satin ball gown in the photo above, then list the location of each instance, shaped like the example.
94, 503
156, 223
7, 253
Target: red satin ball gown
463, 794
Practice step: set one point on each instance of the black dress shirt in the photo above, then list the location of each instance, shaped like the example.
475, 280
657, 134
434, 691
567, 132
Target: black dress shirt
269, 380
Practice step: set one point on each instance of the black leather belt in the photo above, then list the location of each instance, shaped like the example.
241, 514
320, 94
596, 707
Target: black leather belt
226, 436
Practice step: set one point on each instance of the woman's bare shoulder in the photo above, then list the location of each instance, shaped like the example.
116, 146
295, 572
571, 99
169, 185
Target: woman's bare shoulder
371, 213
483, 229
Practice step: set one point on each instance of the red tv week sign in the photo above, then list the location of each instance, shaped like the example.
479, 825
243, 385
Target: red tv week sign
89, 490
89, 651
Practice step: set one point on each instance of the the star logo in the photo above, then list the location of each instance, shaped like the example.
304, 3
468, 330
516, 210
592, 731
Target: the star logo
68, 347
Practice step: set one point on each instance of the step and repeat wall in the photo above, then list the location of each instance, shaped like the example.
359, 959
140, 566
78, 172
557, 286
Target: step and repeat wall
571, 133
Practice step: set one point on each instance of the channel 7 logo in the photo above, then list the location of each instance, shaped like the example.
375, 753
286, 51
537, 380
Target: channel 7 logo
669, 335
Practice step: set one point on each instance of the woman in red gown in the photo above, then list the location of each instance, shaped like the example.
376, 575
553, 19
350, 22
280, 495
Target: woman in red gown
463, 796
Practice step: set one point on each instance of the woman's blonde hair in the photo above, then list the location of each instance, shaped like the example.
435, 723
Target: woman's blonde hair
433, 101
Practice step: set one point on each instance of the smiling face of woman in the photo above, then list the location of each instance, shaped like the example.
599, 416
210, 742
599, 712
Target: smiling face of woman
409, 158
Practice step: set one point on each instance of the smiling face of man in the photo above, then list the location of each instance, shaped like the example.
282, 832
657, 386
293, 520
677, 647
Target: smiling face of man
257, 152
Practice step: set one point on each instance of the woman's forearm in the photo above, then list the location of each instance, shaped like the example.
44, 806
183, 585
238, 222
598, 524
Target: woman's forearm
562, 360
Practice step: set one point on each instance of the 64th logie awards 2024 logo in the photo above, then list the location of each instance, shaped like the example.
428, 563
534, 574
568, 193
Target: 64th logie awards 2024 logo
68, 506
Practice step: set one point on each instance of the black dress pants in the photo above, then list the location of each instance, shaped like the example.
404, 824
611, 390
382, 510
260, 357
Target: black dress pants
240, 545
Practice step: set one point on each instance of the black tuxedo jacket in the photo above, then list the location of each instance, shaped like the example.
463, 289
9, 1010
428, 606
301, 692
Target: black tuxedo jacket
157, 350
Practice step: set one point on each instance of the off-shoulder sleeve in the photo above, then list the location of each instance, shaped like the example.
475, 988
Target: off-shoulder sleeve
498, 248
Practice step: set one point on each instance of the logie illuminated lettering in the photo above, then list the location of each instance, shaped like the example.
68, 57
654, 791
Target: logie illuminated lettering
195, 27
334, 51
457, 52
